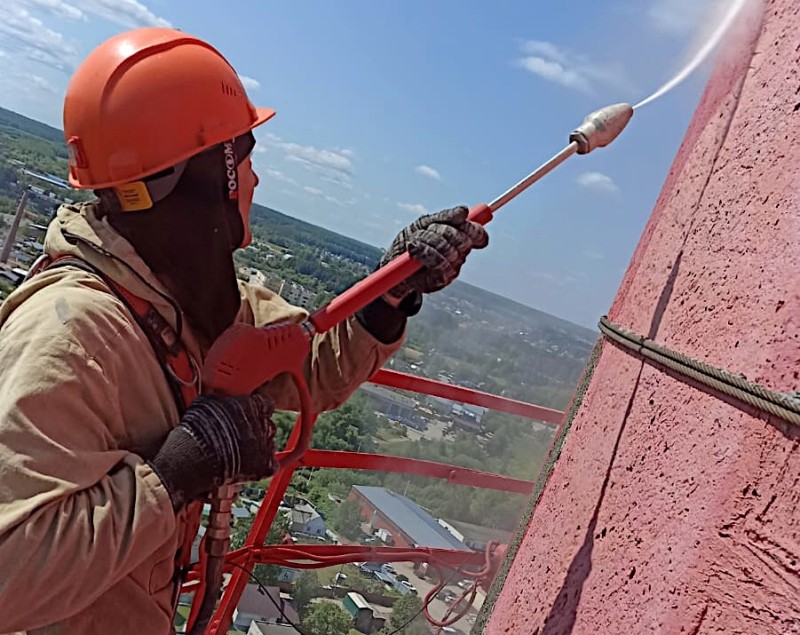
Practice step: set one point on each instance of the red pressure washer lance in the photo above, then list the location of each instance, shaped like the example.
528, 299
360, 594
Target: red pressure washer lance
246, 357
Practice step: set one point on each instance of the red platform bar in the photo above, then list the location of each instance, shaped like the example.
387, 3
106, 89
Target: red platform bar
413, 383
418, 467
319, 556
309, 556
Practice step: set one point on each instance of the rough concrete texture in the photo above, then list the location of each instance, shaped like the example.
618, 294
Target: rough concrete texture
672, 510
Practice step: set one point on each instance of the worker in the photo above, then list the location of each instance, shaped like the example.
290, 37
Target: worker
107, 450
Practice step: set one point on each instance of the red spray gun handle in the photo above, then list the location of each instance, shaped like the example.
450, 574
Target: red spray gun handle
246, 357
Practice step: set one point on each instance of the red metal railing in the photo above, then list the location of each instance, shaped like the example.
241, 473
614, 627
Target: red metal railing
240, 563
434, 388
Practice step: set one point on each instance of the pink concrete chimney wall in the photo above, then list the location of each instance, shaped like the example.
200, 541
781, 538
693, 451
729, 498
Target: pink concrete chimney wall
672, 510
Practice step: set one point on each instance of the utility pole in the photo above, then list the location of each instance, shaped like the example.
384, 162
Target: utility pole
12, 235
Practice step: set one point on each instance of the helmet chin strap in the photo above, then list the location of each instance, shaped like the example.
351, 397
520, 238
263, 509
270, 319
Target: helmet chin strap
141, 195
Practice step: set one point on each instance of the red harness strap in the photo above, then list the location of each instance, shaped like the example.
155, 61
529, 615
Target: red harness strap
180, 369
176, 361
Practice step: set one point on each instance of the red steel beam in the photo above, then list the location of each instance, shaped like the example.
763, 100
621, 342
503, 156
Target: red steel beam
254, 552
319, 556
223, 615
426, 386
402, 465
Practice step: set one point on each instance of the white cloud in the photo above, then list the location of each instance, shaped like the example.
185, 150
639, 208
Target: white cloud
547, 49
568, 69
317, 157
22, 33
338, 201
277, 175
558, 280
341, 180
29, 88
309, 155
414, 208
41, 83
426, 170
676, 17
555, 72
58, 8
130, 13
593, 255
598, 181
318, 193
249, 83
346, 152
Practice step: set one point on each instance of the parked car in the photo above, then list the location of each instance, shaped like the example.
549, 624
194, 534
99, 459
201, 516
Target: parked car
409, 587
464, 584
449, 597
401, 577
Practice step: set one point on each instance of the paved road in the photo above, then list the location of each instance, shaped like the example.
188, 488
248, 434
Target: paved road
435, 431
438, 608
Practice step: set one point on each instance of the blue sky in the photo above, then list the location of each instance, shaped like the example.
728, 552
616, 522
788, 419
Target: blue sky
389, 109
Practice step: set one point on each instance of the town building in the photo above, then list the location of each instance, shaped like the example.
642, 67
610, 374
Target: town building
408, 523
364, 618
304, 519
265, 628
297, 294
255, 605
393, 404
267, 279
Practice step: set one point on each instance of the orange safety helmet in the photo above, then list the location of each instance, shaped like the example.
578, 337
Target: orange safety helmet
145, 100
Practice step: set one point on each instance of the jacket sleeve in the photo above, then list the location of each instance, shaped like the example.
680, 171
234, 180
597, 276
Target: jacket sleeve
77, 512
341, 359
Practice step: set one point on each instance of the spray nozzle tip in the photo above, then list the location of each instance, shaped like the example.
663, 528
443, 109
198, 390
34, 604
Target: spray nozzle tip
601, 127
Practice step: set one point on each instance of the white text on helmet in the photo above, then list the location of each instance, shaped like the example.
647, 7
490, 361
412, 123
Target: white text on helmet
230, 170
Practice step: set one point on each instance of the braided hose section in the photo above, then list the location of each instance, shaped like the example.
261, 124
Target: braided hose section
782, 405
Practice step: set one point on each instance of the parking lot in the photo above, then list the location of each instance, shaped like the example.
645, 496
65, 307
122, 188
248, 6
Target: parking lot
438, 607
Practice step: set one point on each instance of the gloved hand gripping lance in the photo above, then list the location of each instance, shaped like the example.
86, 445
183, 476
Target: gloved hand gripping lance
246, 357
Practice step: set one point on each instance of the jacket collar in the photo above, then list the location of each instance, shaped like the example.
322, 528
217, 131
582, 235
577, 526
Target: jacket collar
79, 231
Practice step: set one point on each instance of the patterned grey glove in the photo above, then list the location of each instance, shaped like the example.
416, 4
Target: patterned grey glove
441, 242
218, 441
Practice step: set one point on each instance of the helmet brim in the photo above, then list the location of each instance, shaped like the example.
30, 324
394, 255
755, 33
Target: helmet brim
263, 115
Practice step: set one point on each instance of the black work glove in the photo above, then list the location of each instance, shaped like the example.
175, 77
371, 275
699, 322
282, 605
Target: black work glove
218, 441
441, 243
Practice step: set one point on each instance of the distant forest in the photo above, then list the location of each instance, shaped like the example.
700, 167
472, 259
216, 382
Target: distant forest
285, 230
